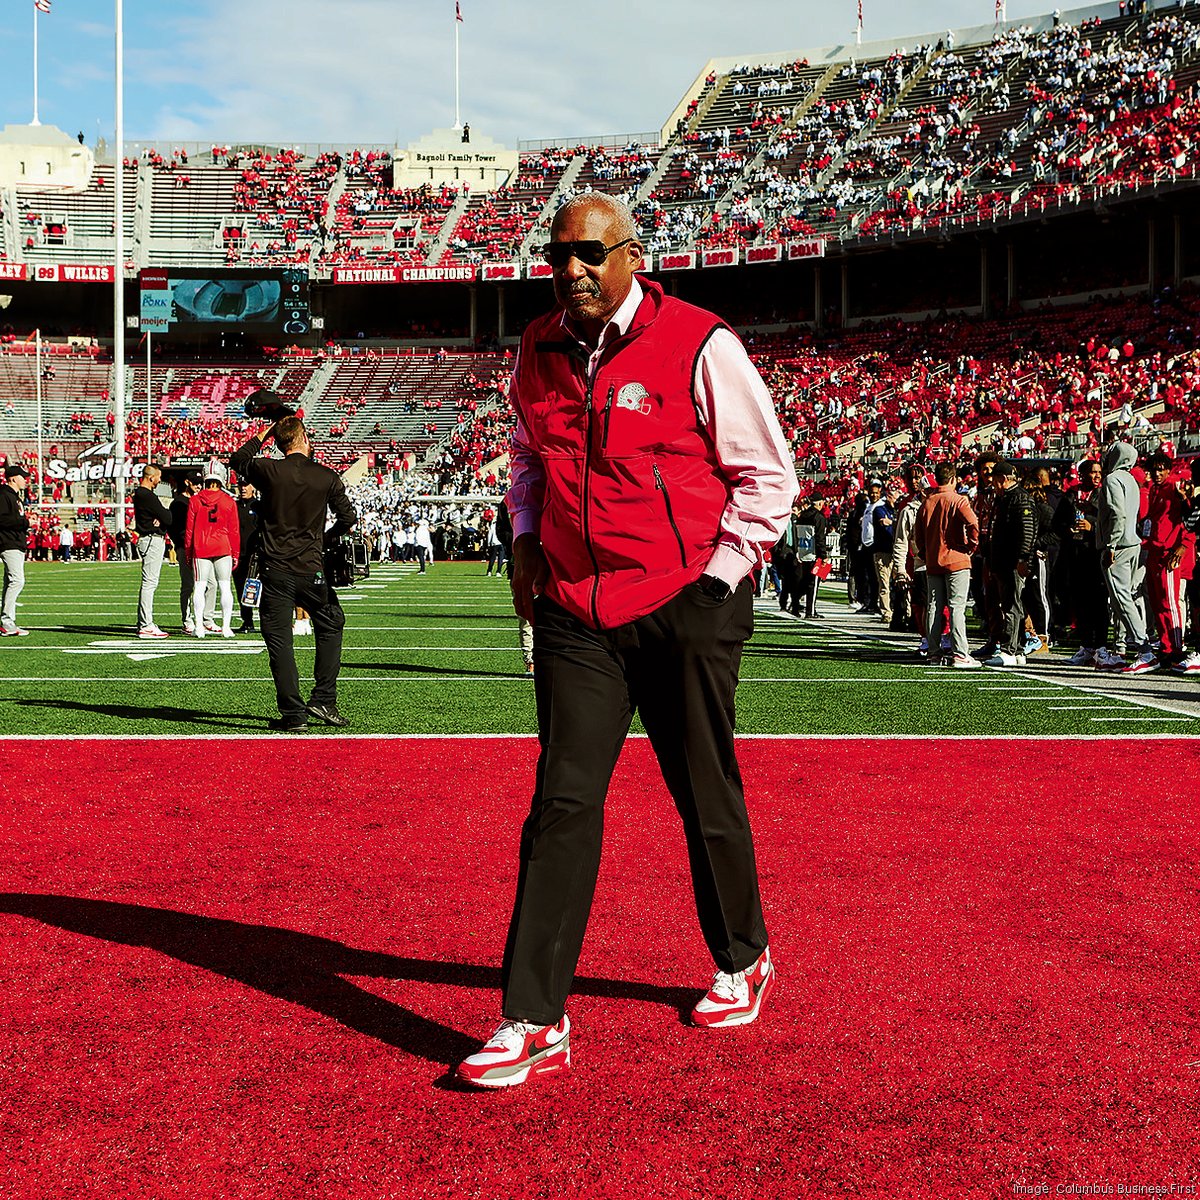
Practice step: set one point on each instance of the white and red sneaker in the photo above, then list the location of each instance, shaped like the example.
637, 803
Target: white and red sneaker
14, 631
735, 999
518, 1050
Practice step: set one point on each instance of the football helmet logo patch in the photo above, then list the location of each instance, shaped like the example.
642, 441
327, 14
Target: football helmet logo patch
635, 398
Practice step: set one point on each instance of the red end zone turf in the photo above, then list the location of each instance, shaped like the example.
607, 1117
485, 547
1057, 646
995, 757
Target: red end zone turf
243, 968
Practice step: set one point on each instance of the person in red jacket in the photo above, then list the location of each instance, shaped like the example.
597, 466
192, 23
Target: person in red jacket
212, 540
650, 478
1170, 557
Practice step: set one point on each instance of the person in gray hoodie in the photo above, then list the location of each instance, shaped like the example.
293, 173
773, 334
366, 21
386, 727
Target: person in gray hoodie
1120, 548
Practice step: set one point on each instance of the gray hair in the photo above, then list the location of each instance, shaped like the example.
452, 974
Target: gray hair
617, 209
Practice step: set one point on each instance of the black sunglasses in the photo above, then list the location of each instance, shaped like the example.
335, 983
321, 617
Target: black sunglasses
592, 254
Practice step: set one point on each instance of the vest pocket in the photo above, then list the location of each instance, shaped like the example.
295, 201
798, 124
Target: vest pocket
666, 495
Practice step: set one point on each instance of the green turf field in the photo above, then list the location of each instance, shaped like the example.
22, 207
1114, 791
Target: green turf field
438, 654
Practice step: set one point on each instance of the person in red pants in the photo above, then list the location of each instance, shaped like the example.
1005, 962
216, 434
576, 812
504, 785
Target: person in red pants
1170, 558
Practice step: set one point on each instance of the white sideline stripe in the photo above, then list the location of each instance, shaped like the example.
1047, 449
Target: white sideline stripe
1143, 718
1051, 696
1074, 707
806, 738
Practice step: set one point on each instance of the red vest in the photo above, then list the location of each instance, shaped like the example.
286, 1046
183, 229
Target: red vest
634, 495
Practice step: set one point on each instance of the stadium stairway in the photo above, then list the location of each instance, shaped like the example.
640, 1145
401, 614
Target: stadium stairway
441, 242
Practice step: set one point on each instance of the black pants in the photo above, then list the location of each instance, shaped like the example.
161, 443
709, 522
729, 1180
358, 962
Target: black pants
789, 585
282, 592
678, 668
240, 574
807, 585
1088, 592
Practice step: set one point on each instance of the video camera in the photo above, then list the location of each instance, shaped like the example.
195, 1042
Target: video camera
268, 405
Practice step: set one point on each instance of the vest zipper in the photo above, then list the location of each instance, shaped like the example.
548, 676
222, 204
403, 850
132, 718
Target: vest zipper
607, 414
662, 487
587, 504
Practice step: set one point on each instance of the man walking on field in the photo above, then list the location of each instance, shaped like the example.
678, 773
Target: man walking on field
649, 478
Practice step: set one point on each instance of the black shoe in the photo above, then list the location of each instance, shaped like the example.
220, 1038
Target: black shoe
329, 714
243, 628
815, 616
288, 724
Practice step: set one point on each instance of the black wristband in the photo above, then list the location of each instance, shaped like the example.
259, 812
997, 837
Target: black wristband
714, 588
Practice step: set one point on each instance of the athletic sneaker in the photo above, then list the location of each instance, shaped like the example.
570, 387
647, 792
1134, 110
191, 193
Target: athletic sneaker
1146, 661
1107, 661
1032, 644
152, 631
189, 628
986, 652
946, 645
302, 628
1003, 659
923, 648
964, 662
14, 631
210, 626
1085, 656
1187, 666
734, 999
517, 1050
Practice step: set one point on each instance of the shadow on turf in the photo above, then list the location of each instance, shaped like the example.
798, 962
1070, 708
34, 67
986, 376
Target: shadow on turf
426, 670
304, 969
127, 630
818, 653
141, 712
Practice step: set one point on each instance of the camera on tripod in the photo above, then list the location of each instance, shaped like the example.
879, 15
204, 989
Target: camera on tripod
268, 405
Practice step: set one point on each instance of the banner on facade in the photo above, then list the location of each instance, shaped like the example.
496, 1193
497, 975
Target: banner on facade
726, 256
764, 254
810, 248
677, 261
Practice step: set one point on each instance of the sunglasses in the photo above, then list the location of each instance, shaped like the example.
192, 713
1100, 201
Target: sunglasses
591, 254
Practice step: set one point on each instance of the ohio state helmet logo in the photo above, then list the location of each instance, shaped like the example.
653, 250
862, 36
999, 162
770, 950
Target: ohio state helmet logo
634, 397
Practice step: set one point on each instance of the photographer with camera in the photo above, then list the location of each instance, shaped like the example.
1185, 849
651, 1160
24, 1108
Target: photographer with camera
295, 494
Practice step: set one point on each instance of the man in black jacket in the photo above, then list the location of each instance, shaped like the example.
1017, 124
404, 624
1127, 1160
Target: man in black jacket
810, 537
247, 506
14, 539
183, 488
151, 520
296, 493
1013, 537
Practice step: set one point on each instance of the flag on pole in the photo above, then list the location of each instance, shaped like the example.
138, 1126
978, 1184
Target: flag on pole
457, 10
42, 5
860, 14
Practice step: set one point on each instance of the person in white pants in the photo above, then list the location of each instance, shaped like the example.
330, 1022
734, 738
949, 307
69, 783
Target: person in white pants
213, 541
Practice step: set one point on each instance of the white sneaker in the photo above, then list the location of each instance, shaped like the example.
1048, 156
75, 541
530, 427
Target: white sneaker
227, 633
1107, 661
1085, 656
1003, 659
14, 631
1187, 666
1146, 661
152, 631
302, 628
964, 662
210, 626
517, 1050
189, 628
